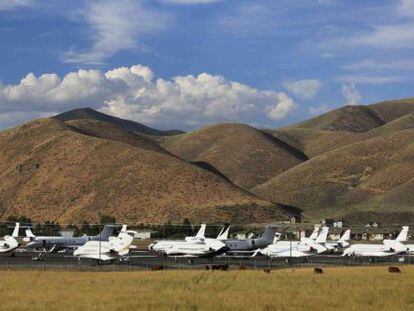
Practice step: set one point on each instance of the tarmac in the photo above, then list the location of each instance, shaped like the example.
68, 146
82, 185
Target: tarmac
149, 261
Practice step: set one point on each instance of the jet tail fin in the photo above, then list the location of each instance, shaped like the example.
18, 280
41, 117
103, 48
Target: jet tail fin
269, 234
314, 234
346, 236
402, 237
106, 232
224, 234
323, 235
201, 232
29, 233
15, 233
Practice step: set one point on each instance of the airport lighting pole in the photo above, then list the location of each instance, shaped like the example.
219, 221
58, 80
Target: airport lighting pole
99, 261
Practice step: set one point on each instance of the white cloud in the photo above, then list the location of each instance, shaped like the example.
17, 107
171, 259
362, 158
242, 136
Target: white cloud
305, 89
374, 65
132, 93
12, 4
365, 79
190, 1
115, 26
386, 36
406, 7
249, 19
351, 94
396, 34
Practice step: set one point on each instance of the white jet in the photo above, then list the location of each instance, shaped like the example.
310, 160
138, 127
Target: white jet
387, 248
9, 243
207, 248
161, 246
196, 246
304, 248
107, 250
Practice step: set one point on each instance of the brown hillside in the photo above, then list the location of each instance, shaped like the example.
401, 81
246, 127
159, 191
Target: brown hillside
348, 118
393, 109
245, 155
372, 175
49, 171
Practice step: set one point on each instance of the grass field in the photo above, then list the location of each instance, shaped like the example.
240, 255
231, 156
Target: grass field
362, 288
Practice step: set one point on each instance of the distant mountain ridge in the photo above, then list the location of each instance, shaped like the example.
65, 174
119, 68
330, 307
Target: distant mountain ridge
90, 114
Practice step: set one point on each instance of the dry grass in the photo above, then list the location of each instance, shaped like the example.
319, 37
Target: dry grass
370, 288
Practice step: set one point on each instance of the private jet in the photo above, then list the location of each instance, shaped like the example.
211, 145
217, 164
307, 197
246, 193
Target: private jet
106, 250
161, 246
387, 248
57, 243
304, 248
9, 243
196, 246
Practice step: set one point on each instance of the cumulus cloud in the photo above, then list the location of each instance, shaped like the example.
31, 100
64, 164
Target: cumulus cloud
305, 89
133, 93
351, 94
114, 26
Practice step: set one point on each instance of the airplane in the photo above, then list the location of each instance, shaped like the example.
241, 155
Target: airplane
9, 243
304, 248
56, 243
161, 246
196, 246
248, 246
201, 249
387, 248
106, 250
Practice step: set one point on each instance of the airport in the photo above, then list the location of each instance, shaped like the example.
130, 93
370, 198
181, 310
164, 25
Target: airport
114, 249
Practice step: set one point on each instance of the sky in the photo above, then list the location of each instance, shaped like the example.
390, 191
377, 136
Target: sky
184, 64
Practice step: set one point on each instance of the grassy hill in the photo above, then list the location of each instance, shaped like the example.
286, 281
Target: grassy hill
90, 114
51, 170
355, 162
245, 155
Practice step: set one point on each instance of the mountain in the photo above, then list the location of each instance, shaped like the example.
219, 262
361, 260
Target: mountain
90, 114
80, 169
354, 163
247, 156
354, 171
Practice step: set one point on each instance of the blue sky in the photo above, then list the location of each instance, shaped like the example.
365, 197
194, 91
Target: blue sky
188, 63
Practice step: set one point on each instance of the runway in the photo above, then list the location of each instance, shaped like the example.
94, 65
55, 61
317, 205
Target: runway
147, 260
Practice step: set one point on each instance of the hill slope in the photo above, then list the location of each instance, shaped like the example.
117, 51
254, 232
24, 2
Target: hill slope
50, 170
372, 175
90, 114
244, 154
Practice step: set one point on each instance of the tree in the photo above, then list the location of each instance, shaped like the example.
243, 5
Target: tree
186, 227
107, 219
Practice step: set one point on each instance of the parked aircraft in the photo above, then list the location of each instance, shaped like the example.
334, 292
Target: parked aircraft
56, 243
9, 243
387, 248
207, 248
250, 245
106, 250
161, 246
304, 248
196, 246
